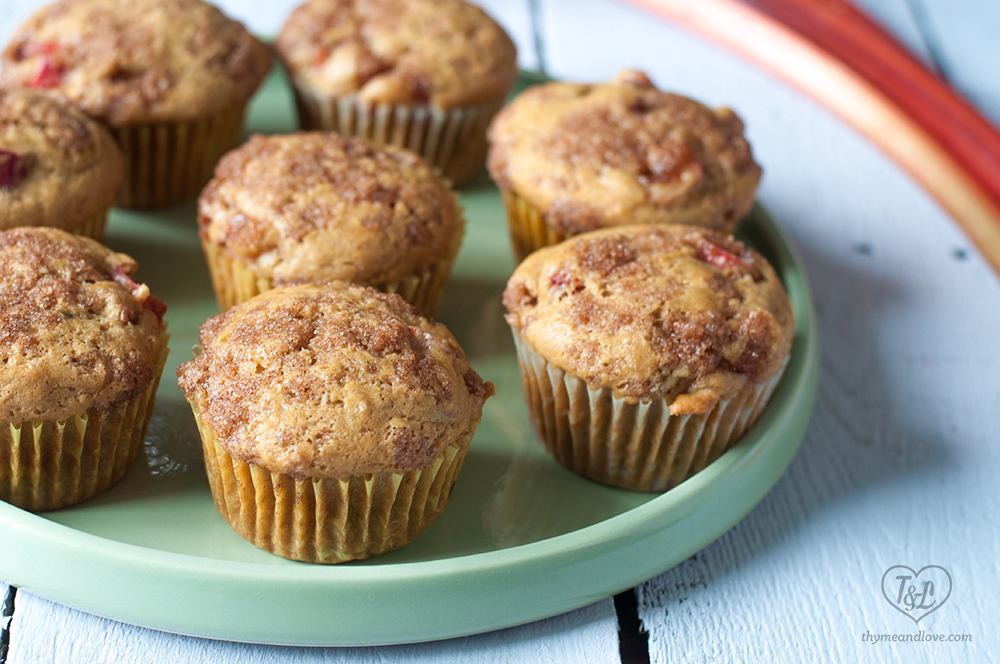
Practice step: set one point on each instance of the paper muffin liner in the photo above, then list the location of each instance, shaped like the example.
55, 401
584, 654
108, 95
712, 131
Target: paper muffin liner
637, 446
49, 464
530, 232
92, 226
528, 229
453, 141
235, 281
328, 520
170, 162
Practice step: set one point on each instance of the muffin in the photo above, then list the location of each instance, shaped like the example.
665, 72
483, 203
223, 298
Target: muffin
58, 167
334, 419
572, 158
427, 75
645, 351
171, 78
82, 348
317, 206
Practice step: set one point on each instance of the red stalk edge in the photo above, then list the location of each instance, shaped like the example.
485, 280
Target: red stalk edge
842, 32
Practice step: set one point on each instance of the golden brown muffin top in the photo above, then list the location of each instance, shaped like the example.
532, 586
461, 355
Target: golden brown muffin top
75, 331
57, 166
675, 311
134, 61
447, 53
317, 206
332, 380
591, 156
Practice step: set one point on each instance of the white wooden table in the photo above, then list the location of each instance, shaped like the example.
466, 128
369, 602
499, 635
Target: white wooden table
900, 465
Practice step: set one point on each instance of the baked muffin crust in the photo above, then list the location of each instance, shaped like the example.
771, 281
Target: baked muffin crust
63, 167
591, 156
681, 312
317, 206
75, 331
332, 380
447, 53
131, 61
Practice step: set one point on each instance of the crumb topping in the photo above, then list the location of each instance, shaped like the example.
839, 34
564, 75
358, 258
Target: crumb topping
332, 380
13, 168
317, 206
126, 61
653, 310
57, 166
72, 335
447, 53
624, 152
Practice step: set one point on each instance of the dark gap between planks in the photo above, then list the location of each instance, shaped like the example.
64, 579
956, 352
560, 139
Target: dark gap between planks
633, 640
923, 20
535, 14
6, 613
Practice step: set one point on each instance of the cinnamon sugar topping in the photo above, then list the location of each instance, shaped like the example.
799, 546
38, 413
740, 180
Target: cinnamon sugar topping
332, 380
447, 53
639, 310
126, 61
316, 206
590, 156
57, 166
71, 337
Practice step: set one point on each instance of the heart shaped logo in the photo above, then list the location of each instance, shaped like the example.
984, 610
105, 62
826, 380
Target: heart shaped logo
916, 594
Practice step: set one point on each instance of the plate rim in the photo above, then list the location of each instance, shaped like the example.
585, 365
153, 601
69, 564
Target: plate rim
788, 415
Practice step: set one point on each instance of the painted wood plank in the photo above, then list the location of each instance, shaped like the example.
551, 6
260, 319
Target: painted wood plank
894, 447
515, 17
900, 463
840, 57
963, 34
13, 13
43, 631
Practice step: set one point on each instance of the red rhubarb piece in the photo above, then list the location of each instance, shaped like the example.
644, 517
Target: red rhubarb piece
13, 168
565, 281
561, 279
156, 305
667, 163
123, 279
321, 55
51, 66
32, 49
151, 302
49, 75
713, 254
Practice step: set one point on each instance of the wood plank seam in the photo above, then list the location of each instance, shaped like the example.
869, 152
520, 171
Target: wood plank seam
633, 639
920, 16
6, 616
535, 12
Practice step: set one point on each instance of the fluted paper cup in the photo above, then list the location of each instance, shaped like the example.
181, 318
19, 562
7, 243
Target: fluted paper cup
637, 446
92, 226
235, 280
528, 229
453, 141
48, 464
170, 162
328, 520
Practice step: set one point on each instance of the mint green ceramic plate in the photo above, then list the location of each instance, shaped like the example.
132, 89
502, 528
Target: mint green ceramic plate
521, 539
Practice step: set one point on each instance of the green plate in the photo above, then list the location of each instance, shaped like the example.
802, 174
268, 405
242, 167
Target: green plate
522, 538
